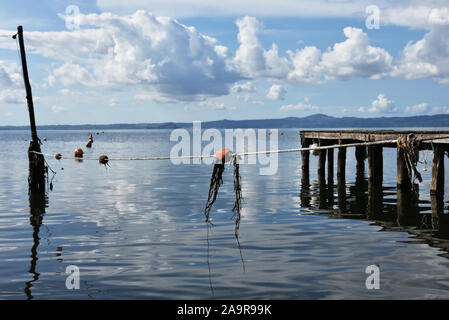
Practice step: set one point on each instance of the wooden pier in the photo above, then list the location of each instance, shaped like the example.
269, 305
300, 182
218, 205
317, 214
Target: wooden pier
436, 141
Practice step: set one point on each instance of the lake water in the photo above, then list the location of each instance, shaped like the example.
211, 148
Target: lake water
136, 230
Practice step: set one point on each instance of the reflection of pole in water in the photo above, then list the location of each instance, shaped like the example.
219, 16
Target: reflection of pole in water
437, 206
305, 195
407, 207
375, 200
360, 189
38, 203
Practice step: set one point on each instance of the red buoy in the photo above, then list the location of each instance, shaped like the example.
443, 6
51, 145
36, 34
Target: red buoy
223, 155
79, 153
58, 156
103, 159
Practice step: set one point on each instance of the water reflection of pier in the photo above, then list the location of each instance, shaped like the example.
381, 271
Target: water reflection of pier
391, 208
394, 208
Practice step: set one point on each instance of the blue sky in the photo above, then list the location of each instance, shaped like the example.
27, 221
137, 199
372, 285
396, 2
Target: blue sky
206, 60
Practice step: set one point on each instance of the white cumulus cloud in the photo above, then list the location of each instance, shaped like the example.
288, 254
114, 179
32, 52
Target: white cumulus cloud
382, 105
157, 54
300, 106
11, 84
417, 108
276, 92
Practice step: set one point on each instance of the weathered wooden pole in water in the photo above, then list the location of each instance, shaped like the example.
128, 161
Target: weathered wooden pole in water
403, 180
341, 178
341, 165
322, 166
375, 162
360, 156
36, 178
330, 167
437, 183
305, 162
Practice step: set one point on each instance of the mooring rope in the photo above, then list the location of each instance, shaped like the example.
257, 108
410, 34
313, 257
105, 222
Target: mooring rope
335, 146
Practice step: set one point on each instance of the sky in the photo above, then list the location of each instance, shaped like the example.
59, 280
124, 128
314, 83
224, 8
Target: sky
137, 61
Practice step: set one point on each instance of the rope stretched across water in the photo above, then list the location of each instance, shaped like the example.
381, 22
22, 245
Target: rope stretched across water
335, 146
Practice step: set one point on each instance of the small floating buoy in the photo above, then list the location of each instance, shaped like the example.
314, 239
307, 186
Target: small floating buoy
103, 159
58, 156
45, 139
223, 155
79, 153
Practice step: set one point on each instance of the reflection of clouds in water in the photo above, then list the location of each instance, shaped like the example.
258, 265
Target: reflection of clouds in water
268, 193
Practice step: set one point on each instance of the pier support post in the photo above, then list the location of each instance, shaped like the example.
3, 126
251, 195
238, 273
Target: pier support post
341, 165
341, 178
375, 162
436, 205
360, 156
437, 183
322, 166
330, 167
402, 176
305, 164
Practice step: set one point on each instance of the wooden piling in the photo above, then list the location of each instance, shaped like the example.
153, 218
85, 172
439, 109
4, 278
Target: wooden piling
305, 164
341, 165
375, 163
322, 166
360, 156
437, 183
36, 177
403, 179
341, 178
330, 167
436, 205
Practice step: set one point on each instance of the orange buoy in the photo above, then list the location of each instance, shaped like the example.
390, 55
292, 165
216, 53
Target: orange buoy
58, 156
79, 153
223, 155
103, 159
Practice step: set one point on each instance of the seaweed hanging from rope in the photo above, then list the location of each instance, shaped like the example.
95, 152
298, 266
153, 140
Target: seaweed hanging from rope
216, 181
238, 195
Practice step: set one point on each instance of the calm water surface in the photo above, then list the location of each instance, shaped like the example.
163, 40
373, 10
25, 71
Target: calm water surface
136, 230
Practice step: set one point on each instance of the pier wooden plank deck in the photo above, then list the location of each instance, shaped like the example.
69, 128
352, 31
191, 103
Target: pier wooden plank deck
372, 135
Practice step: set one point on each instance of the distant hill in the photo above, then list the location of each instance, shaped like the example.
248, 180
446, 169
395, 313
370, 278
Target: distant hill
312, 121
